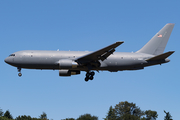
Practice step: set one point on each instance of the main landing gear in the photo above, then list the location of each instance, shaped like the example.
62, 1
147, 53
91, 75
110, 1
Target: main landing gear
19, 70
89, 76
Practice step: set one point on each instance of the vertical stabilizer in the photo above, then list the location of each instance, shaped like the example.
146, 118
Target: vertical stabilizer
158, 43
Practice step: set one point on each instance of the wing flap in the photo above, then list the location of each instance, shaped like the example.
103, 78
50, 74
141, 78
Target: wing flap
107, 54
161, 56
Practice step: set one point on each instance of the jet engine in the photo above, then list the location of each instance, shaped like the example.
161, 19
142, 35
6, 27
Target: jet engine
68, 72
67, 64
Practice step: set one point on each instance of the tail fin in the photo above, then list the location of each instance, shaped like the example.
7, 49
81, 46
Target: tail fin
158, 43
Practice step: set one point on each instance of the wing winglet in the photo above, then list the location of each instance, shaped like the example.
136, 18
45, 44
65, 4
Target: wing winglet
161, 56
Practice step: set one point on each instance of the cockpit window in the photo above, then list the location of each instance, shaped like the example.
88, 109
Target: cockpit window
12, 55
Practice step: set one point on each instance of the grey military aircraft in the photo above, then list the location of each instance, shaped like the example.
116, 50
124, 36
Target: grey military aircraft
106, 59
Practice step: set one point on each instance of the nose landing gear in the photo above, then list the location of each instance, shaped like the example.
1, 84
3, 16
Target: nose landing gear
89, 76
19, 70
19, 74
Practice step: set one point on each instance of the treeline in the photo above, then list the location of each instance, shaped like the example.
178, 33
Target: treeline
8, 116
129, 111
121, 111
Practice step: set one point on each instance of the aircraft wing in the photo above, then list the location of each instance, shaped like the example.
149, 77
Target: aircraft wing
101, 54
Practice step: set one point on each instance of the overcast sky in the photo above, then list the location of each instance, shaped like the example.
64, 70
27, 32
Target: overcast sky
83, 25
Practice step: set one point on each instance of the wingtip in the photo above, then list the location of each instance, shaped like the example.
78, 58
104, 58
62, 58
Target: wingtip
120, 42
172, 51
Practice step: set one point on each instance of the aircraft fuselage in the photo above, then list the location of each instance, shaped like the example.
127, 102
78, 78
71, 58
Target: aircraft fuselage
118, 61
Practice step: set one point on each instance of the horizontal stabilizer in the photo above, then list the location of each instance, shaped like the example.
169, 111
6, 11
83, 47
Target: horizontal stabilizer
161, 56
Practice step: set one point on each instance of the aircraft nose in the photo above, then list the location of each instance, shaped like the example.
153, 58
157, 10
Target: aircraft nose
8, 60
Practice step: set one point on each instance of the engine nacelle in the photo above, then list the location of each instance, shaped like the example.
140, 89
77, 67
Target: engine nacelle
68, 72
67, 64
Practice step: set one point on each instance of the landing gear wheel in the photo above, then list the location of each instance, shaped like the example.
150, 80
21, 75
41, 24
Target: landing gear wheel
86, 79
19, 74
92, 73
89, 76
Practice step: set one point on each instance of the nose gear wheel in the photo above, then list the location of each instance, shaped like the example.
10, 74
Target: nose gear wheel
19, 70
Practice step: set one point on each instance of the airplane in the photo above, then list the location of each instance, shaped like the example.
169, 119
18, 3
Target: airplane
106, 59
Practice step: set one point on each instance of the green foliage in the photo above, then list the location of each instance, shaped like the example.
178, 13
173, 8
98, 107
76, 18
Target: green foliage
1, 112
8, 115
111, 114
24, 117
168, 116
143, 118
87, 117
69, 119
4, 118
129, 117
151, 114
127, 111
122, 111
43, 116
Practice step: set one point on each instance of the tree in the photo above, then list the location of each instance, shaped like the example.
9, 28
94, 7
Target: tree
111, 114
43, 116
8, 115
168, 116
4, 118
69, 119
24, 117
151, 114
1, 112
127, 111
87, 117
